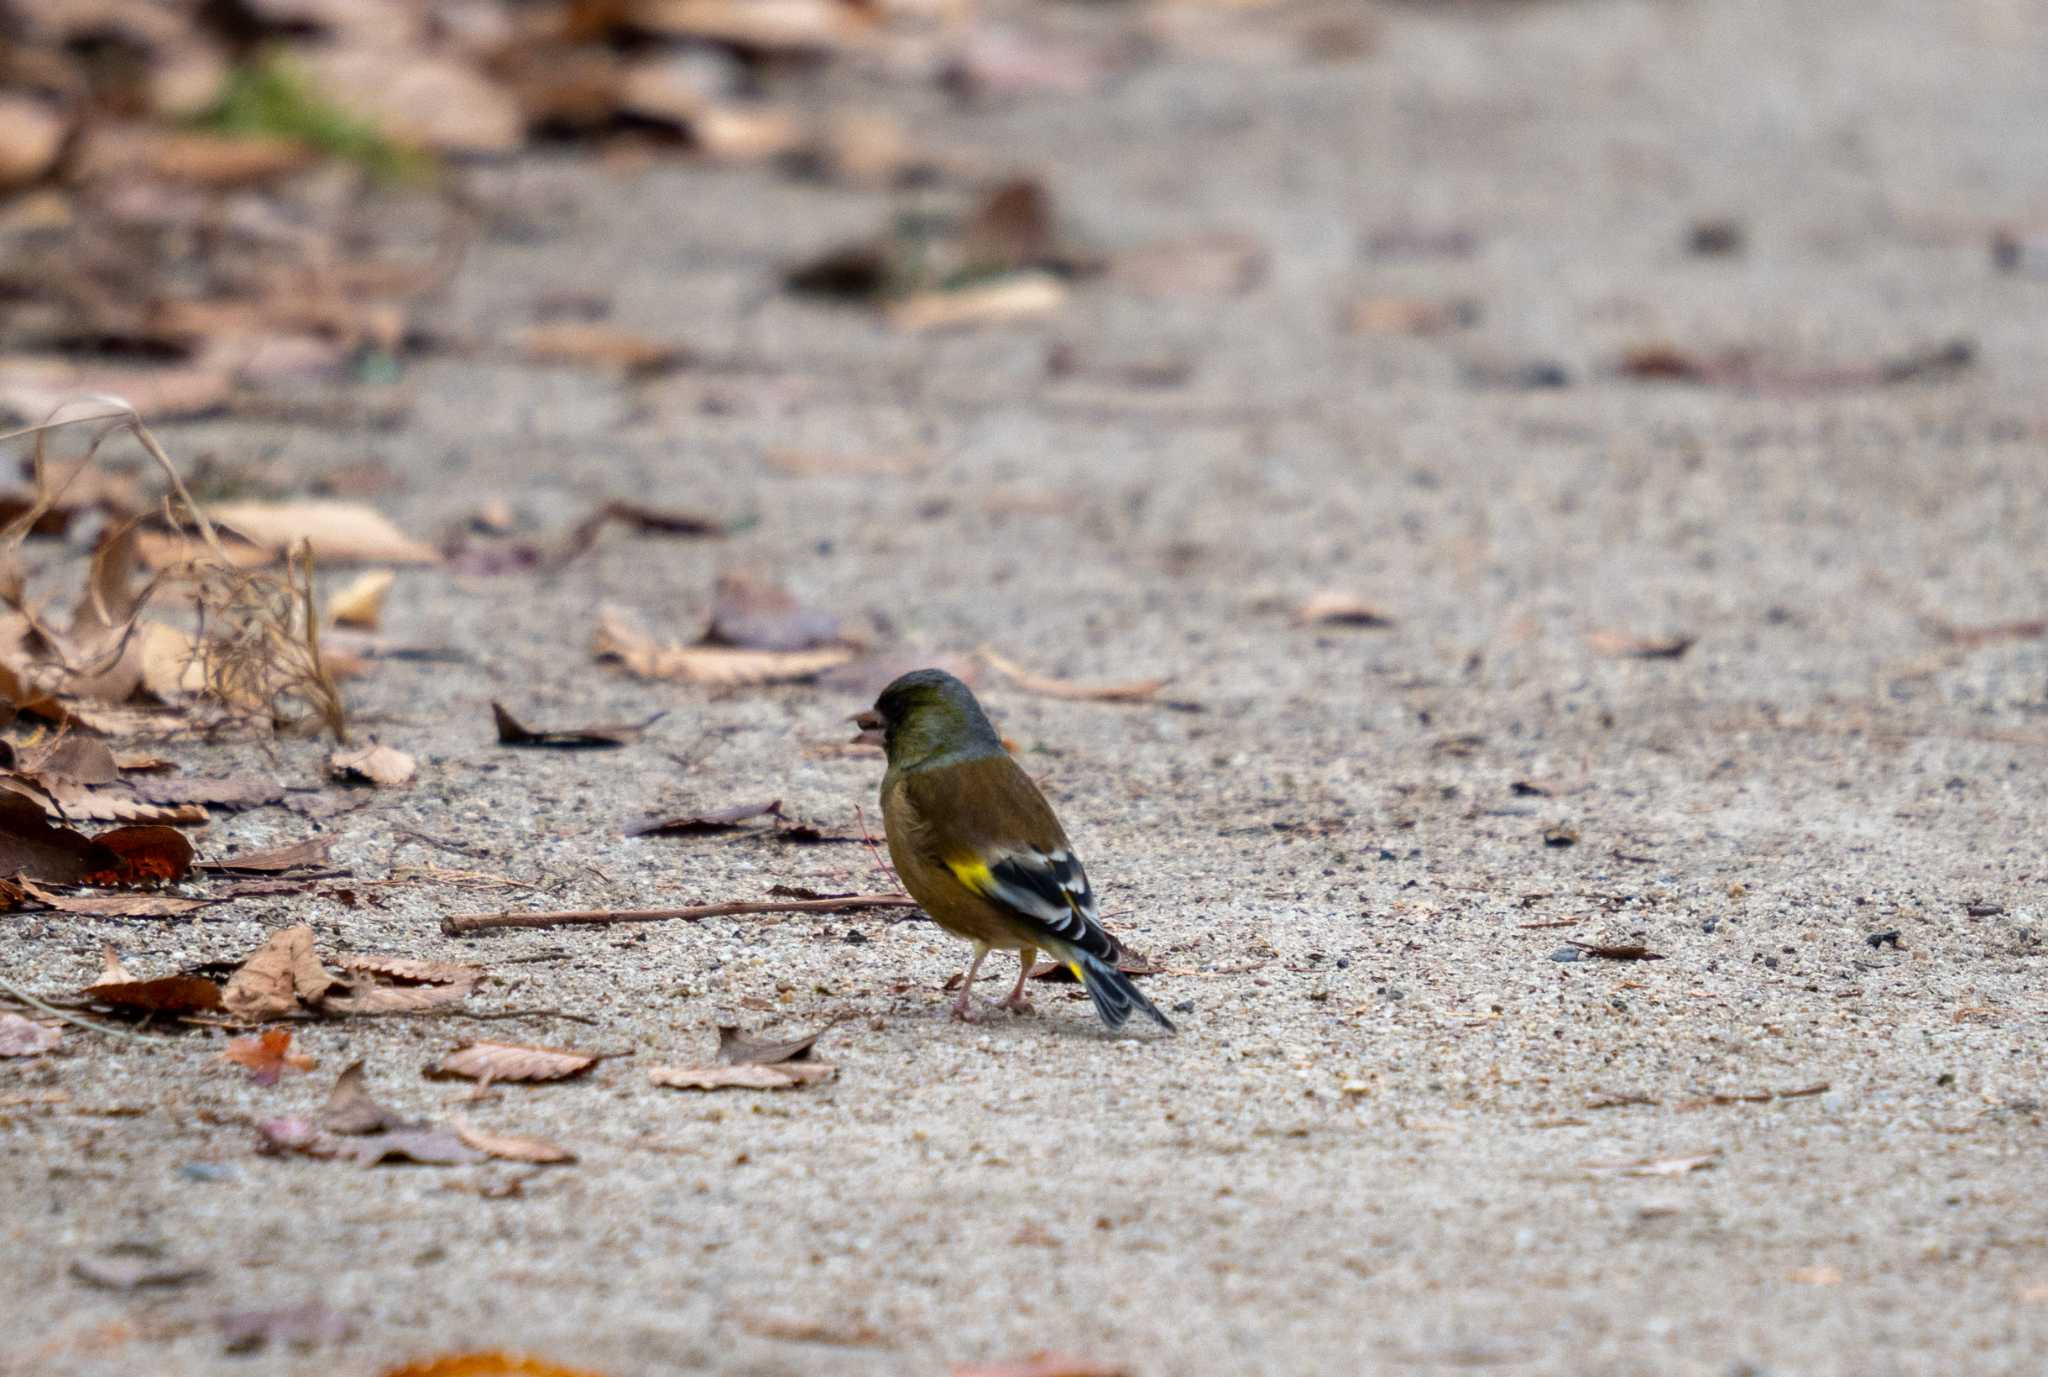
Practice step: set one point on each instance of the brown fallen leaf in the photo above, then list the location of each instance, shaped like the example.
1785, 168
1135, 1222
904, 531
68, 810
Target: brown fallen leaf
340, 532
267, 1056
617, 639
306, 1326
1132, 691
30, 846
303, 855
175, 995
383, 766
148, 855
1016, 297
361, 604
1332, 608
409, 970
279, 978
594, 344
1052, 972
31, 389
637, 517
1622, 646
101, 905
505, 1061
736, 1049
370, 998
749, 1077
511, 1149
70, 803
70, 759
1041, 1364
702, 824
1747, 369
352, 1110
20, 1037
512, 732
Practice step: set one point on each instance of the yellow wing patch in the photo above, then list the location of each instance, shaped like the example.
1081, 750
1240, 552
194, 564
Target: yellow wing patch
972, 873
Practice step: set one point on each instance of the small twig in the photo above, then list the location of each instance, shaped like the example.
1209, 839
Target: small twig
25, 997
489, 1015
882, 867
442, 844
457, 923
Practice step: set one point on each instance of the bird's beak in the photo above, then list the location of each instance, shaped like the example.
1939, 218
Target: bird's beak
869, 721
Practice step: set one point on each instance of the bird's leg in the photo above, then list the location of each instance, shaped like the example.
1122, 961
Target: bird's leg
962, 1005
1015, 1001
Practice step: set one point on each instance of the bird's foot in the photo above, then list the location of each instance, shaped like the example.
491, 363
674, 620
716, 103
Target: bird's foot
962, 1010
1018, 1004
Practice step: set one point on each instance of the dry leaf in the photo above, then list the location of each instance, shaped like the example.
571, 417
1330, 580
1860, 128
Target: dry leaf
1018, 296
790, 1329
115, 905
71, 760
32, 847
735, 1049
1616, 951
339, 531
351, 1109
142, 856
1822, 1275
1339, 609
361, 604
303, 855
267, 1056
1134, 691
382, 766
31, 136
418, 99
410, 970
746, 1077
505, 1061
118, 805
175, 995
392, 999
1622, 646
278, 978
757, 26
617, 639
512, 1149
19, 1037
1041, 1365
597, 345
702, 824
512, 732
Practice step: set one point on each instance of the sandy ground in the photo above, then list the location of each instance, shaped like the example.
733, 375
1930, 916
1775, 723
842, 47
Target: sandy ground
1386, 1139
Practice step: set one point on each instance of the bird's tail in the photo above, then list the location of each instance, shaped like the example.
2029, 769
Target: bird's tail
1114, 994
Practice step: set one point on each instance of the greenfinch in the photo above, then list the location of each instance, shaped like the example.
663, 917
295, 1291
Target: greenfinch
977, 846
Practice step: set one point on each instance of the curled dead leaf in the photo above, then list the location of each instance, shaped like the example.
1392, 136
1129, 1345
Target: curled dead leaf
279, 978
513, 732
506, 1061
302, 855
361, 604
351, 1109
1622, 646
1016, 297
783, 1076
340, 532
175, 995
1339, 609
383, 766
618, 640
510, 1148
1131, 691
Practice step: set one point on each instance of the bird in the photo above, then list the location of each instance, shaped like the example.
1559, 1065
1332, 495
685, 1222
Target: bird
979, 848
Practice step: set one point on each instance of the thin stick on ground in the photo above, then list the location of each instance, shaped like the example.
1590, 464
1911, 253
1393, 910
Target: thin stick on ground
77, 1020
455, 924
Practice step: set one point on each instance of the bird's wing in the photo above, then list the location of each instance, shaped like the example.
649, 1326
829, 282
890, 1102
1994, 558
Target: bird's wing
1027, 870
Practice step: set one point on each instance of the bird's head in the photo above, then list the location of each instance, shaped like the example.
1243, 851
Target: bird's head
927, 714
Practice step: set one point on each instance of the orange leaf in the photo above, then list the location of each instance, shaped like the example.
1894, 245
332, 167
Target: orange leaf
267, 1056
486, 1364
